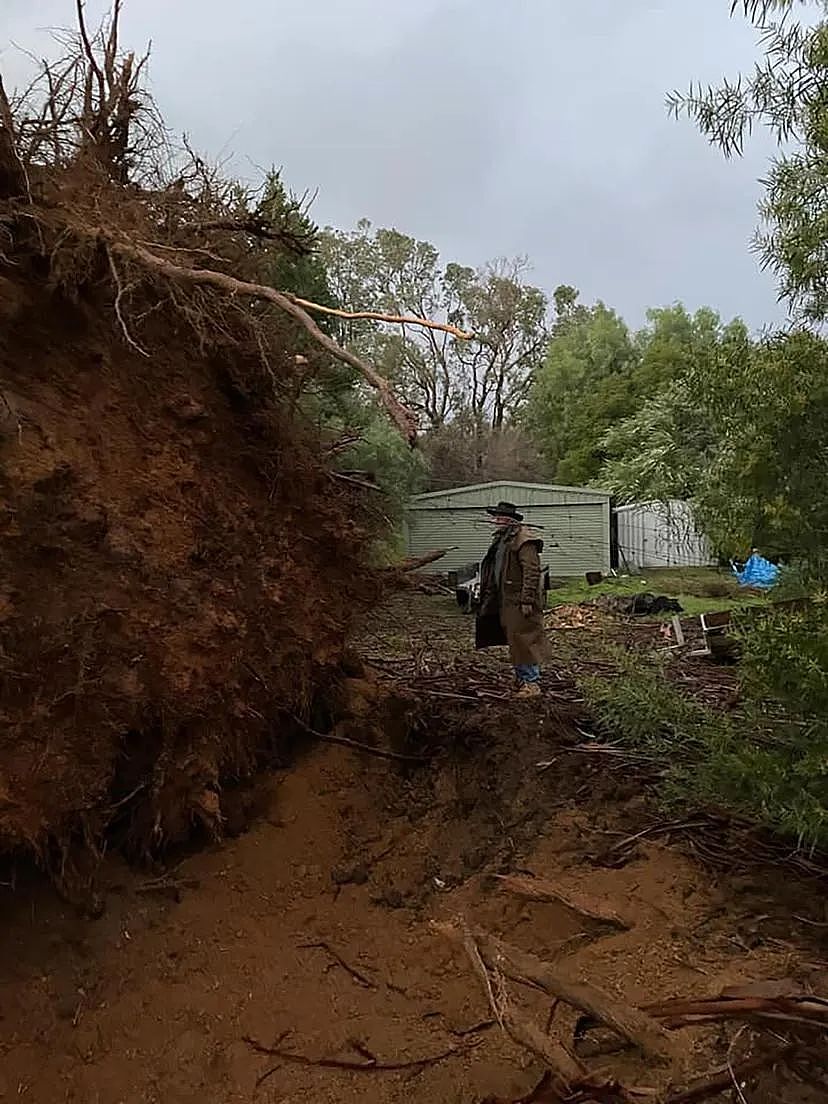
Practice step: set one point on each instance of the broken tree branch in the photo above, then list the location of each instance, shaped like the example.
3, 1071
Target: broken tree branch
685, 1012
567, 1074
378, 316
539, 889
636, 1026
402, 417
414, 563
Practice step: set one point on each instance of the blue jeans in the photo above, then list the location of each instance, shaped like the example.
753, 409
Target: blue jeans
527, 672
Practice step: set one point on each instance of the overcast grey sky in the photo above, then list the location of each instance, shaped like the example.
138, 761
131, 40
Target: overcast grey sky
489, 127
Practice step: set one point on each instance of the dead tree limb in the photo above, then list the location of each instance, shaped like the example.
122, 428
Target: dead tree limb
566, 1069
685, 1012
414, 563
378, 316
402, 417
539, 889
568, 1077
636, 1026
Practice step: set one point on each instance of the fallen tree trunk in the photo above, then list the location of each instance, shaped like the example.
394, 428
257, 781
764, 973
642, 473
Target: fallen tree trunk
568, 1078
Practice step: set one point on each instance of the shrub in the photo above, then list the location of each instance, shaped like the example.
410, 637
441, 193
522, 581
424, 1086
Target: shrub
769, 761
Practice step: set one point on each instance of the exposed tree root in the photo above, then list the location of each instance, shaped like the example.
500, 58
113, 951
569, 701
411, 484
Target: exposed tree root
568, 1079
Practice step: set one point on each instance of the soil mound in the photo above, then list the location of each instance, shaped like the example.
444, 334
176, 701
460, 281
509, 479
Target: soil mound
177, 569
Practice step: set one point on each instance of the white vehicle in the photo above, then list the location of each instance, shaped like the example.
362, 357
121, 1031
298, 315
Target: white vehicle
468, 592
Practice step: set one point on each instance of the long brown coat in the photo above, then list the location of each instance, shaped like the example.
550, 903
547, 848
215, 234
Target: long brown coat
500, 619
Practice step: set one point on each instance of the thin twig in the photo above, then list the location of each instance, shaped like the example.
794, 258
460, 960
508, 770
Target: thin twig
185, 249
119, 296
719, 1082
382, 753
358, 977
473, 951
369, 1065
378, 316
737, 1087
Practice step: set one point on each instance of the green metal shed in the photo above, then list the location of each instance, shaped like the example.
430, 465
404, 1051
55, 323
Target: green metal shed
574, 521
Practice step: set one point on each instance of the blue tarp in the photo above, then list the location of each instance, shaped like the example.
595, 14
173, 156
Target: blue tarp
757, 572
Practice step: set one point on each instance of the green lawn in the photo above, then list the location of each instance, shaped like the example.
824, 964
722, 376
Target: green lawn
698, 589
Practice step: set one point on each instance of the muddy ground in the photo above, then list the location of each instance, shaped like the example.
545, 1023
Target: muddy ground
313, 928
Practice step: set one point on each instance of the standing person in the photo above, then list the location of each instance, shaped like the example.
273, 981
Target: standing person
511, 604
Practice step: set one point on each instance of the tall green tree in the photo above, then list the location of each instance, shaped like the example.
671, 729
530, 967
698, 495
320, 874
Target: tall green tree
608, 395
787, 93
582, 387
743, 435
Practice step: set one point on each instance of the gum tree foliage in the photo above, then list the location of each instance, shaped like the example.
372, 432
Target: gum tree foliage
743, 434
787, 93
485, 380
583, 386
604, 392
333, 396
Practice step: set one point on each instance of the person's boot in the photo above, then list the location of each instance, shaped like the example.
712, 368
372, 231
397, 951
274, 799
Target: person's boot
529, 690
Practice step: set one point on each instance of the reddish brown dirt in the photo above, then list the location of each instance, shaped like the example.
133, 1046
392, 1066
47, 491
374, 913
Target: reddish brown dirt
177, 579
176, 568
315, 929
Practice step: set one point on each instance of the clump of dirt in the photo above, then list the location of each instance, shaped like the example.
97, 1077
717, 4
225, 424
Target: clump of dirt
178, 571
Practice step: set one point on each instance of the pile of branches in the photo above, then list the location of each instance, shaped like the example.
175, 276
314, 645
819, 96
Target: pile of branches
89, 177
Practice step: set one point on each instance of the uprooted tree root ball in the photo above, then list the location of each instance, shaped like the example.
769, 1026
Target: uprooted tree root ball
177, 567
180, 566
180, 563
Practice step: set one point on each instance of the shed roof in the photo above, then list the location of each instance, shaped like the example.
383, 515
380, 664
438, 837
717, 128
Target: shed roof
510, 483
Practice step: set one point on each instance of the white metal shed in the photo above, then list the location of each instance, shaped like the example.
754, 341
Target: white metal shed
660, 534
574, 523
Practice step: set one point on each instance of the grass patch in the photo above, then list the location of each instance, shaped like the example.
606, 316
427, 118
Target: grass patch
698, 589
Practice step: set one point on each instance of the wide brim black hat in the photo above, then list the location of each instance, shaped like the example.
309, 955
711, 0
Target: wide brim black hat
505, 509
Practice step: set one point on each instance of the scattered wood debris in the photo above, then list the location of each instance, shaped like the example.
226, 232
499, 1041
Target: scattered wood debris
567, 1080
